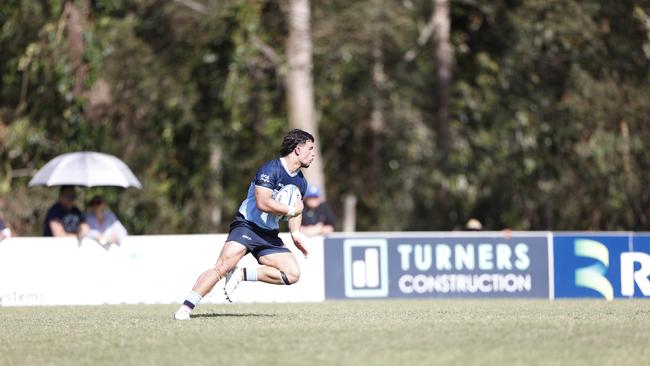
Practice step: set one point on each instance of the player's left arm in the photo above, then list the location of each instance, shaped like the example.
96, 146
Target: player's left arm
298, 237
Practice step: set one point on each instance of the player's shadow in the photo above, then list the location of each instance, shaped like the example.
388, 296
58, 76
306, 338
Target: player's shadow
224, 315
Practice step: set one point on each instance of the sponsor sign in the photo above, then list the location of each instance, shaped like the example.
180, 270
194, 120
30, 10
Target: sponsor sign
604, 265
436, 265
144, 269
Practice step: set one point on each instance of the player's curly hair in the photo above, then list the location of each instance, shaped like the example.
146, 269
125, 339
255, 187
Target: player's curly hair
294, 138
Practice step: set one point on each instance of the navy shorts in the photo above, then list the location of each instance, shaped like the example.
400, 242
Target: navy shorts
257, 241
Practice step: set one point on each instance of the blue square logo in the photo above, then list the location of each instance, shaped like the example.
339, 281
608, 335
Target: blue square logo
365, 265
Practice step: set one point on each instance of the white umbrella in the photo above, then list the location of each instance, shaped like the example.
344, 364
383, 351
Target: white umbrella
89, 169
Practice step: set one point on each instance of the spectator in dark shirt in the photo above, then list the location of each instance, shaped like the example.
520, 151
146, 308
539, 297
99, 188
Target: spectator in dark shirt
64, 218
317, 217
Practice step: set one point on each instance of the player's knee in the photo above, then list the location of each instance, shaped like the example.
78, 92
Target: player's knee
220, 269
223, 266
290, 277
294, 277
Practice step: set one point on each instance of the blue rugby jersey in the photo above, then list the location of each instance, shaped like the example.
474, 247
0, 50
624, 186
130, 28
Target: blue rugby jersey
273, 175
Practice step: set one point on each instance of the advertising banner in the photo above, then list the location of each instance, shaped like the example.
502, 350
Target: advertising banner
426, 265
602, 265
157, 269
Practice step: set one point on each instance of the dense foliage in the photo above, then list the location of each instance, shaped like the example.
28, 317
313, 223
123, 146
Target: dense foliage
549, 109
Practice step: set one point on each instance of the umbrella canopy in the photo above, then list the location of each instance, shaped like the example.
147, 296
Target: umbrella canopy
89, 169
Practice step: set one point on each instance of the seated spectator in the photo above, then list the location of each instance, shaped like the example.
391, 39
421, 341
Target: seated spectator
104, 225
5, 232
317, 217
64, 218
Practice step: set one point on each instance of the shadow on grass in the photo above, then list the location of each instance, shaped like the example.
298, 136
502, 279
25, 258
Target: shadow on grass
222, 315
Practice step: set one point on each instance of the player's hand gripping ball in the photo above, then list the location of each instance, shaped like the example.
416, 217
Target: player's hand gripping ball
288, 195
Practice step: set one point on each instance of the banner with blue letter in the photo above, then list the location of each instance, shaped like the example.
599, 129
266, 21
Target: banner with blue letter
437, 265
602, 265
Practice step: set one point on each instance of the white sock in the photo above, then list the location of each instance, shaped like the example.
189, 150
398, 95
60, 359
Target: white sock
192, 299
250, 274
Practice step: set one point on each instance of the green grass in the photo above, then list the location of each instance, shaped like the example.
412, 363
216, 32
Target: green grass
427, 332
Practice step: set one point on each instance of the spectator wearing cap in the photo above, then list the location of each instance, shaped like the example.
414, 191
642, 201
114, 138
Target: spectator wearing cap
105, 227
64, 218
317, 217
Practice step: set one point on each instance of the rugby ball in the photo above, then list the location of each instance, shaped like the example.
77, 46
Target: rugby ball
287, 195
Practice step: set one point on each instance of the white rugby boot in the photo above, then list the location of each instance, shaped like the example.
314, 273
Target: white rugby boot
183, 313
233, 278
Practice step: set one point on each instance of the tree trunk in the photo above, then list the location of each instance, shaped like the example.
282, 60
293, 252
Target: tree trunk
378, 82
377, 120
76, 19
299, 83
216, 194
349, 213
631, 187
443, 59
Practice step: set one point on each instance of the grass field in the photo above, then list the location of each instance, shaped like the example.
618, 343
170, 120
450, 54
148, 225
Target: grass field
431, 332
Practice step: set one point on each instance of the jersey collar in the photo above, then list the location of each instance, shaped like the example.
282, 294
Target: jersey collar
284, 165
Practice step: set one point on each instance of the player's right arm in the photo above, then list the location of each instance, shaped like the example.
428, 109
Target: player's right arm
265, 203
265, 181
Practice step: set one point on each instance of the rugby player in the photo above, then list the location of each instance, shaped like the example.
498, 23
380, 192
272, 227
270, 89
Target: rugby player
255, 227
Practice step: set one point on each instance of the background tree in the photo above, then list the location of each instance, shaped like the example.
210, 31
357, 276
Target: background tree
299, 81
547, 107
